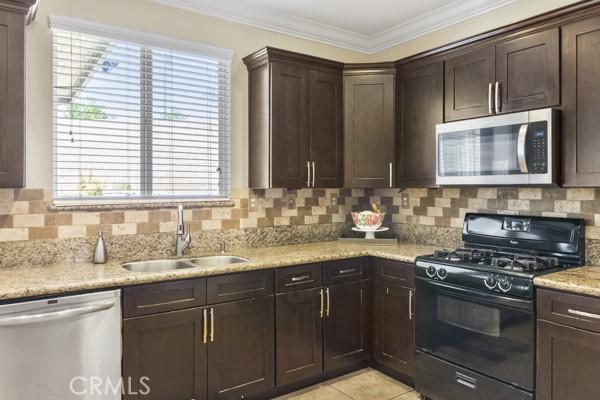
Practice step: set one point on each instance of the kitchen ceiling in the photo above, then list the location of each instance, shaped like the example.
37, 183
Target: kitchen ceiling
365, 26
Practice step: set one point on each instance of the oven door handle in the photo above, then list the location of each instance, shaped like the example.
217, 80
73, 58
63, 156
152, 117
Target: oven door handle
521, 144
475, 294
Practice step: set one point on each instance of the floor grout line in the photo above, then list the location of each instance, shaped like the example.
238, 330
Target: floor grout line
344, 394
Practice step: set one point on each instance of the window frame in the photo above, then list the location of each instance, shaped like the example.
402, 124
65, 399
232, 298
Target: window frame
147, 43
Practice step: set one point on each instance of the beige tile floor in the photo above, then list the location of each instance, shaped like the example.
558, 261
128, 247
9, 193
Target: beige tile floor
366, 384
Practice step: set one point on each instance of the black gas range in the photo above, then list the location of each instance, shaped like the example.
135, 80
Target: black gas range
475, 305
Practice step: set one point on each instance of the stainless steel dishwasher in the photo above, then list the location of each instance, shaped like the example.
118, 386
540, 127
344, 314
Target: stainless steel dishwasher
62, 348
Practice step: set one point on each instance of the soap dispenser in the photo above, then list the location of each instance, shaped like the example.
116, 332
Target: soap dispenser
100, 254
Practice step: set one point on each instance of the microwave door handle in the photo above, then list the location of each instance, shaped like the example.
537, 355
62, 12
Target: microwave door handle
521, 142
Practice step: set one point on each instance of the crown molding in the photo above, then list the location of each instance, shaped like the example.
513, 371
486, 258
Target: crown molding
453, 13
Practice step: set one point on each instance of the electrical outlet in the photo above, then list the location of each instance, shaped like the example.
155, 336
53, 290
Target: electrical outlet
334, 200
405, 200
252, 202
291, 201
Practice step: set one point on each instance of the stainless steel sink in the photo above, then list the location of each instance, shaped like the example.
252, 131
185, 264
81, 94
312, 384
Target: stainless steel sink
158, 265
215, 261
169, 265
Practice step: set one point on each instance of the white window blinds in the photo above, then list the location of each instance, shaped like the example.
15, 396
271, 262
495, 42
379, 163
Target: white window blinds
133, 121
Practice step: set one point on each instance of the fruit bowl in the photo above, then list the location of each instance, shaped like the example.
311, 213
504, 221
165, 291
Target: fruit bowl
368, 220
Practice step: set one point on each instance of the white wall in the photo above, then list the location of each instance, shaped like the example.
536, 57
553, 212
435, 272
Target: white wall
158, 19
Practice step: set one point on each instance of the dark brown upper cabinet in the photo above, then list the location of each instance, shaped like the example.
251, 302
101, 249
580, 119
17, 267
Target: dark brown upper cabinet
420, 106
295, 111
581, 96
515, 75
369, 155
528, 72
469, 84
13, 17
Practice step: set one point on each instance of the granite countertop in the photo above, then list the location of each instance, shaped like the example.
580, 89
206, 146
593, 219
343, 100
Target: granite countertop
47, 280
581, 280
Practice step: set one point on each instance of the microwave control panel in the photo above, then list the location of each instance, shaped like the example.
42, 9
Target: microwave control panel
538, 148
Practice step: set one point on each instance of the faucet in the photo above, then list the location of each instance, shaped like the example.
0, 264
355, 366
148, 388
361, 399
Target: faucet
183, 236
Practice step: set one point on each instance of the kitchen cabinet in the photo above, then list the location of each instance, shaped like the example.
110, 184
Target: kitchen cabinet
295, 111
241, 354
221, 351
167, 349
13, 17
321, 328
581, 95
514, 75
568, 350
346, 325
420, 107
393, 316
369, 155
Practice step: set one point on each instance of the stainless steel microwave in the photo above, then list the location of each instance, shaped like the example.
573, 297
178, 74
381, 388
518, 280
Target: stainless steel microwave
509, 149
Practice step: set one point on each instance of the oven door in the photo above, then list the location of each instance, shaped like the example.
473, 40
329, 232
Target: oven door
488, 333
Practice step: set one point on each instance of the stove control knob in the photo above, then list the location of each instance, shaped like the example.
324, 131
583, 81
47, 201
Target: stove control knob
442, 273
430, 271
490, 282
504, 284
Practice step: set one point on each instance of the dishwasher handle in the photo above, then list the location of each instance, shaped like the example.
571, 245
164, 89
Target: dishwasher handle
54, 315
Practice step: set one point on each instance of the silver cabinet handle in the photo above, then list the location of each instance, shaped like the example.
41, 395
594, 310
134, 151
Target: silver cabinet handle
328, 309
521, 148
322, 303
498, 102
391, 177
347, 271
583, 314
212, 324
490, 99
313, 173
205, 333
300, 278
54, 315
410, 306
361, 297
467, 381
308, 177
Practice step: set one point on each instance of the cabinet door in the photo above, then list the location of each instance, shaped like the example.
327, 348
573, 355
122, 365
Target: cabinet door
568, 361
420, 108
581, 96
467, 81
166, 348
299, 335
241, 357
289, 125
394, 339
346, 325
528, 72
368, 130
12, 99
325, 126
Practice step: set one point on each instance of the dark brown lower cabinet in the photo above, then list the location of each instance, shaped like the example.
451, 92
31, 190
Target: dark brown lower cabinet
166, 353
346, 325
394, 339
299, 336
568, 363
241, 355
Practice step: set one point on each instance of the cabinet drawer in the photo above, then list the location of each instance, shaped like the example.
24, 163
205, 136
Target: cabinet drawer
396, 272
569, 309
299, 277
340, 271
245, 285
161, 297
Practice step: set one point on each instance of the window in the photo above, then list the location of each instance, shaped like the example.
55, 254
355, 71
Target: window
134, 120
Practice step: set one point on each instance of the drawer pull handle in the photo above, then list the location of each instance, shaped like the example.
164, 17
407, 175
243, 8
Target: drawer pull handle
583, 314
466, 381
300, 278
347, 271
212, 324
322, 304
410, 305
205, 333
328, 310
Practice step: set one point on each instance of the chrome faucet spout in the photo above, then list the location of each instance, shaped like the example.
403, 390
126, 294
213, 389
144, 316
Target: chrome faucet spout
183, 237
